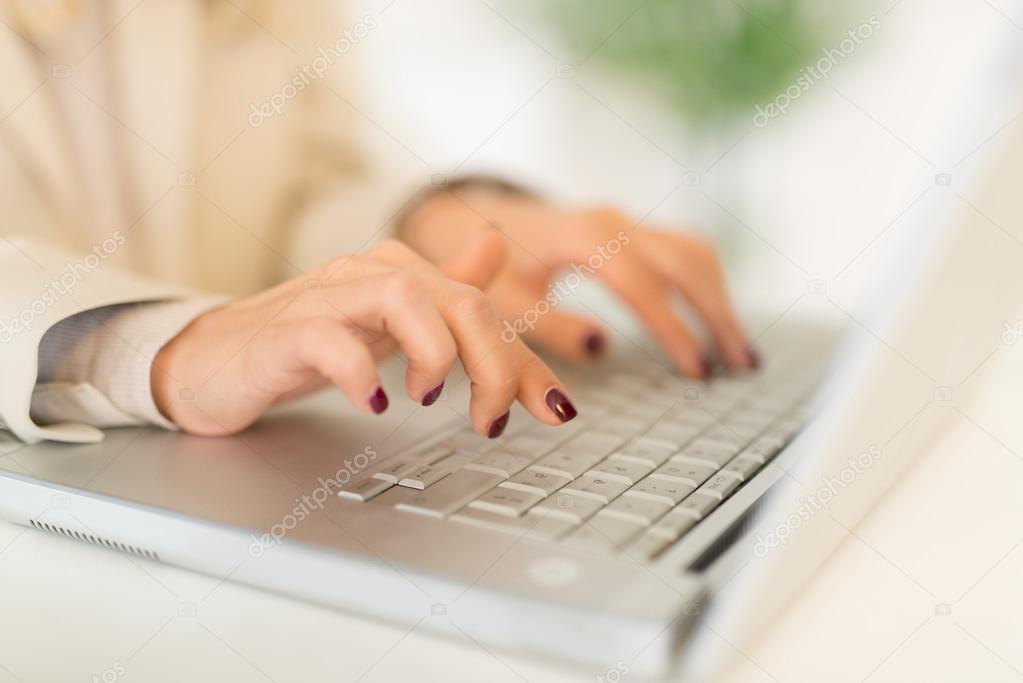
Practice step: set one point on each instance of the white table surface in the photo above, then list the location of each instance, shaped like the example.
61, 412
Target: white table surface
927, 589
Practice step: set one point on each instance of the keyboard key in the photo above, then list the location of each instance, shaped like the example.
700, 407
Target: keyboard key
592, 445
529, 447
500, 463
639, 510
567, 463
538, 482
624, 427
726, 436
763, 449
394, 471
576, 508
709, 453
617, 530
449, 494
653, 451
364, 489
469, 442
505, 501
624, 470
533, 525
686, 472
677, 434
667, 491
720, 485
742, 467
648, 546
698, 505
599, 488
602, 533
673, 525
425, 475
752, 417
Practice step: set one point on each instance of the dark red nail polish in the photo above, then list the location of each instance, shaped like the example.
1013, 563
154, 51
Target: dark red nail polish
378, 400
560, 405
706, 368
754, 359
594, 344
430, 397
498, 425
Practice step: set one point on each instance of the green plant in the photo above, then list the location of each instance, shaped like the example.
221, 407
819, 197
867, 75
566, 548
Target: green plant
713, 60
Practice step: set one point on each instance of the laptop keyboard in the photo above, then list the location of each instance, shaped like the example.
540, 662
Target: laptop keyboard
649, 456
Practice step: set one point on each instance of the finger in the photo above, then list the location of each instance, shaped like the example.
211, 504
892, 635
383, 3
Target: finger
489, 362
400, 304
327, 347
647, 295
479, 263
535, 319
490, 365
540, 391
702, 283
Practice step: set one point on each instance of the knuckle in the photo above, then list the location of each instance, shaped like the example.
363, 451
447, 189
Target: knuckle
471, 302
404, 288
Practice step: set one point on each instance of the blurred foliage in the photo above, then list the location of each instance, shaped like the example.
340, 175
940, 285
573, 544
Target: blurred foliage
711, 59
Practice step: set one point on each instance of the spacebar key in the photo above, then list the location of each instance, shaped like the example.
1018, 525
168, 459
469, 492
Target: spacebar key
448, 495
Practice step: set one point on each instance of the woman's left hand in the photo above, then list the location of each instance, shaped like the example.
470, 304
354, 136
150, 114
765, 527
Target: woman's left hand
643, 266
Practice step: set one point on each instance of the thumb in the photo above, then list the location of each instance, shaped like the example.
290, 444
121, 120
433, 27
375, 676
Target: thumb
479, 262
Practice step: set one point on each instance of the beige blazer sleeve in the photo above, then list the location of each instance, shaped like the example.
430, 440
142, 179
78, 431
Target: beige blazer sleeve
42, 285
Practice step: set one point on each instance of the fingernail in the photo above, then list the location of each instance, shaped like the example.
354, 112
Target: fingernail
498, 425
430, 397
378, 400
594, 344
560, 405
753, 358
706, 368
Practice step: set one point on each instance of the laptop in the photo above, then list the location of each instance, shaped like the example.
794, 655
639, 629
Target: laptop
660, 530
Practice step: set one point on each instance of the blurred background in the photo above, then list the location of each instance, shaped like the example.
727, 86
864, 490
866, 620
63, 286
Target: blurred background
889, 108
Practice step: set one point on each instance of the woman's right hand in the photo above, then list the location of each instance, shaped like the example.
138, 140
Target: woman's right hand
331, 325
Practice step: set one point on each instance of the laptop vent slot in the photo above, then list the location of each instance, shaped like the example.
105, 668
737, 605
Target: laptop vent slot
95, 540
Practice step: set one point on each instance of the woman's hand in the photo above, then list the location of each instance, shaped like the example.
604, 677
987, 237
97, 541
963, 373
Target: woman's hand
644, 267
332, 324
